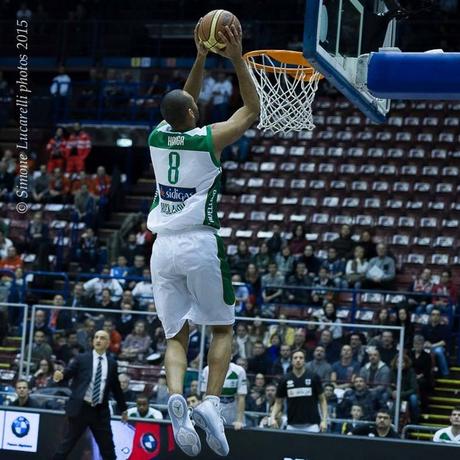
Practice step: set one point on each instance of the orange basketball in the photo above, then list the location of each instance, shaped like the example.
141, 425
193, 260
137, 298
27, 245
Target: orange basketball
211, 24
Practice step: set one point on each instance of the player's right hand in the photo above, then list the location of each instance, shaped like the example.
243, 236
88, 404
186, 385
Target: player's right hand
232, 40
58, 376
200, 48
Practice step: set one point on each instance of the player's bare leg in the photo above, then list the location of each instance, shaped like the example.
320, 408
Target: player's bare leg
207, 414
176, 365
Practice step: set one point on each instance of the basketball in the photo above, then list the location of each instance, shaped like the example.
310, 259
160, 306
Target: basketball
211, 24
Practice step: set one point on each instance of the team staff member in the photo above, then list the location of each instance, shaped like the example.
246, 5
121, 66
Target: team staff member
451, 433
381, 429
233, 395
304, 392
94, 375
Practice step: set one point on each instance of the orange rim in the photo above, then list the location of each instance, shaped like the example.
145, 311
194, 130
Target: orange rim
303, 71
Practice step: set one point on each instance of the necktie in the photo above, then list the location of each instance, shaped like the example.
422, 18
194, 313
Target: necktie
95, 398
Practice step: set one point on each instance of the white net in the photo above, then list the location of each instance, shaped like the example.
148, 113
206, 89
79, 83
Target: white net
286, 93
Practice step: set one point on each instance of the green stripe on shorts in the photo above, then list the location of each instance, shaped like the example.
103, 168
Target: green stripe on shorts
229, 293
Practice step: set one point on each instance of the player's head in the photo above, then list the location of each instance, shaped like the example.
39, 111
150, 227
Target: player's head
179, 109
101, 341
142, 404
298, 359
455, 417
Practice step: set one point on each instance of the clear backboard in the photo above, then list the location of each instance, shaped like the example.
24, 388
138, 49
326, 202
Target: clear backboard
338, 37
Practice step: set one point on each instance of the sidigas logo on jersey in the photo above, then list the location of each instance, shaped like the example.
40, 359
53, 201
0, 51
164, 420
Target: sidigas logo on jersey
176, 194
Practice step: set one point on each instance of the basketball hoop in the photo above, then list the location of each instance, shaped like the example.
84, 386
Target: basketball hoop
286, 84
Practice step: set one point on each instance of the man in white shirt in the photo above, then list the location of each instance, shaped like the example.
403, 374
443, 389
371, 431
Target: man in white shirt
95, 286
143, 291
143, 410
60, 85
451, 434
220, 100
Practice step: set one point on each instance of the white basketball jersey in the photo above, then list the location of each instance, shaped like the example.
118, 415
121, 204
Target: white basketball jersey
187, 177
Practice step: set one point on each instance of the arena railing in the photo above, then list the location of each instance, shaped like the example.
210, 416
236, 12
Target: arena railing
419, 428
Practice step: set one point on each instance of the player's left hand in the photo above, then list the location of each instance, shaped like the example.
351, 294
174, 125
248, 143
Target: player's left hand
323, 426
200, 48
124, 416
238, 426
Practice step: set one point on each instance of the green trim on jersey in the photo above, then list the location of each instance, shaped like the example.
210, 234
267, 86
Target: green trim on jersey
210, 208
211, 146
229, 293
155, 202
230, 387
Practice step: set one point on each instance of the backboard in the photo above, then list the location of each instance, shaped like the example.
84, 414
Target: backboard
338, 37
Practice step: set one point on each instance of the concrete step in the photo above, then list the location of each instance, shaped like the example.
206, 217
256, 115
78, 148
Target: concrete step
448, 383
444, 399
435, 418
440, 409
420, 435
446, 391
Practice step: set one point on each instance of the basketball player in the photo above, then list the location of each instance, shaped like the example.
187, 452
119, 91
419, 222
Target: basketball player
191, 277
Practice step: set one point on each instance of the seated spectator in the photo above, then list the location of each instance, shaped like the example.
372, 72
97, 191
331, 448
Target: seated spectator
343, 244
381, 318
138, 268
366, 241
41, 324
381, 270
331, 399
69, 348
120, 270
78, 148
409, 387
43, 375
356, 414
220, 98
23, 395
437, 338
143, 290
300, 279
356, 268
59, 187
275, 242
241, 294
285, 261
357, 342
125, 322
130, 248
40, 349
79, 181
381, 429
282, 364
194, 388
300, 342
284, 330
194, 341
329, 320
114, 336
421, 361
86, 333
136, 344
55, 148
159, 341
335, 268
253, 280
100, 186
387, 347
331, 347
312, 263
422, 285
260, 361
272, 278
37, 233
5, 243
359, 394
151, 321
94, 286
344, 370
106, 301
451, 434
403, 319
298, 242
88, 252
160, 390
239, 261
85, 207
445, 287
273, 349
376, 374
269, 401
144, 238
258, 331
143, 410
262, 259
12, 261
60, 318
129, 395
321, 283
319, 365
41, 186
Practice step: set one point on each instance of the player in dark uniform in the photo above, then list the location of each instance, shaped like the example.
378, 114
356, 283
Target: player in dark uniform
304, 392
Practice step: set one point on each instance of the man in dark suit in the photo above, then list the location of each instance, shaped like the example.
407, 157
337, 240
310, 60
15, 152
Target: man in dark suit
94, 375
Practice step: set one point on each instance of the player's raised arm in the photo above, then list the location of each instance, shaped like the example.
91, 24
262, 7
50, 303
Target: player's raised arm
229, 131
195, 77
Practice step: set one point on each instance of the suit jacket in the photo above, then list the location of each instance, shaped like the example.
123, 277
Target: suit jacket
80, 370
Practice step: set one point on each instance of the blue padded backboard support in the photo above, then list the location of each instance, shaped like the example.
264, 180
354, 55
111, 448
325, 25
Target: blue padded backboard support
395, 75
311, 53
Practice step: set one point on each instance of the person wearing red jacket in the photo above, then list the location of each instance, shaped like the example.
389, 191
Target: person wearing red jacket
56, 149
100, 185
78, 147
445, 287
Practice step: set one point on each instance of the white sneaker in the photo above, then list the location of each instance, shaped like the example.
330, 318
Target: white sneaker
207, 417
184, 433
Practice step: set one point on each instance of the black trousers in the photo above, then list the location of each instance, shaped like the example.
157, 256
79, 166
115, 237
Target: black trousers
97, 419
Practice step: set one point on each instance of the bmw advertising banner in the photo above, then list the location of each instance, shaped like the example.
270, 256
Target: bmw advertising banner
20, 431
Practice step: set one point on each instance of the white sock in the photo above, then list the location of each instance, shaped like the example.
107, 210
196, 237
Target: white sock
215, 401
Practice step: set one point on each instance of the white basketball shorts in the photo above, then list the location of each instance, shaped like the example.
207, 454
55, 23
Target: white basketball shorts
191, 280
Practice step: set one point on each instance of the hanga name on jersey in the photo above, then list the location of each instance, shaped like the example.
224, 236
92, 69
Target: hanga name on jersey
174, 141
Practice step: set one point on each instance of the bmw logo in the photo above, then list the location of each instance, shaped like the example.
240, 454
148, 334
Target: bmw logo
20, 427
149, 443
